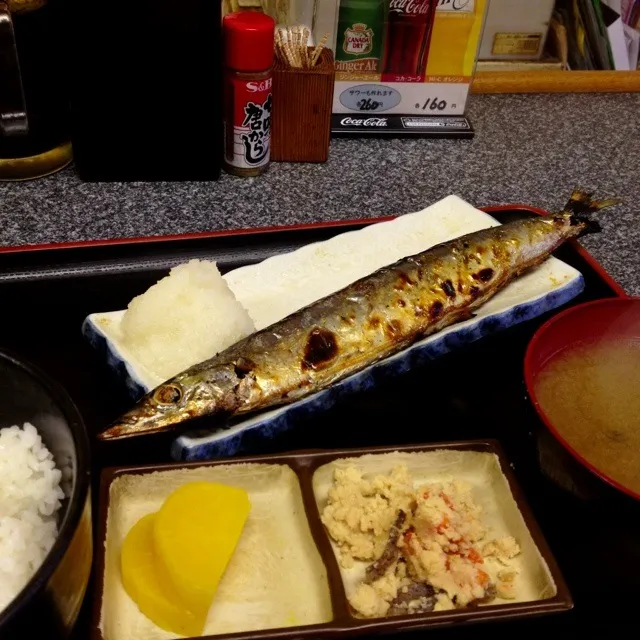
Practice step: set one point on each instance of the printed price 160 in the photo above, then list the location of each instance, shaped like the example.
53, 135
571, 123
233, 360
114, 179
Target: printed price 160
433, 104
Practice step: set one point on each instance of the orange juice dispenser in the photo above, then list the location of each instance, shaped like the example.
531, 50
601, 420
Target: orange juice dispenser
457, 32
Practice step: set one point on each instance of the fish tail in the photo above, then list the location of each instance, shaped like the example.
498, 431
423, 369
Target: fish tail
581, 206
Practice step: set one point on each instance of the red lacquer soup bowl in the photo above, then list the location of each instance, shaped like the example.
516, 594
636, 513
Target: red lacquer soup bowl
614, 320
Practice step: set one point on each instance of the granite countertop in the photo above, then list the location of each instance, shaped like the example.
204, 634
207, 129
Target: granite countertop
528, 149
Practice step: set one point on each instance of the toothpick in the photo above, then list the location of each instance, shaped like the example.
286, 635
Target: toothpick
292, 47
291, 54
288, 49
296, 46
305, 46
280, 45
318, 50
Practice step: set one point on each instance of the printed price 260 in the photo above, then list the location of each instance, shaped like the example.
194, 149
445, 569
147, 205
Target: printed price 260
433, 104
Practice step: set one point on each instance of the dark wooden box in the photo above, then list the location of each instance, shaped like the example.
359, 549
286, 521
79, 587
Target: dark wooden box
302, 105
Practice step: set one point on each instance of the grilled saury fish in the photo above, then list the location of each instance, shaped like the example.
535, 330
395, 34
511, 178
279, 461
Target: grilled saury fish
366, 321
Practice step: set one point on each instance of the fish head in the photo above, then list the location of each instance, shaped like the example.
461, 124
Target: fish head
192, 394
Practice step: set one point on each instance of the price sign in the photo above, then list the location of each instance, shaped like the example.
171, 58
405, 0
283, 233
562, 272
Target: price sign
432, 98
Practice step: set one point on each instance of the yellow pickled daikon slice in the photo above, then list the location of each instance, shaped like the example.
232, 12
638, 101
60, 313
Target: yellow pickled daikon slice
149, 587
195, 534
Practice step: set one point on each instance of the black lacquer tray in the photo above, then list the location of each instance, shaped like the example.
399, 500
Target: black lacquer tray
475, 393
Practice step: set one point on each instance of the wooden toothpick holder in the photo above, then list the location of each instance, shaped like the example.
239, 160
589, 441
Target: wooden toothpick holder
301, 115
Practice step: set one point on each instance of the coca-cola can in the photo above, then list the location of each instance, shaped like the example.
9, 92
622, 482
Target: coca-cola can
409, 27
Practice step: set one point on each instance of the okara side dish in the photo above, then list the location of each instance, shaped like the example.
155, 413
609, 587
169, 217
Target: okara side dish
427, 547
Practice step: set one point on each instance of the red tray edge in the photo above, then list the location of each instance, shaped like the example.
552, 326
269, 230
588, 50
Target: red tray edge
27, 248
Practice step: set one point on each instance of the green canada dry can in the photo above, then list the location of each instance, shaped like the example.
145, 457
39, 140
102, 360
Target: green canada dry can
360, 39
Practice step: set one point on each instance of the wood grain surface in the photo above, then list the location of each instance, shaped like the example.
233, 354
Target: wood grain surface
302, 105
556, 82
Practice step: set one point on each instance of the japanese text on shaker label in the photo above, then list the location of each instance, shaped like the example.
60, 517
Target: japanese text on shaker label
251, 124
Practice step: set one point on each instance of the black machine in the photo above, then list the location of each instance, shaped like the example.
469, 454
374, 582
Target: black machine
145, 89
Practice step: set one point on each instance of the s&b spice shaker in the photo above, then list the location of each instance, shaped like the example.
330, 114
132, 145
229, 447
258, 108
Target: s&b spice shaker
248, 65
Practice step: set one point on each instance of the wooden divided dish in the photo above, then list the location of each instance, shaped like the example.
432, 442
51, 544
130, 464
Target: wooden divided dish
284, 579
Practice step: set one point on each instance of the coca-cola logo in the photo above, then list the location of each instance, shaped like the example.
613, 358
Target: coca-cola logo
364, 122
412, 7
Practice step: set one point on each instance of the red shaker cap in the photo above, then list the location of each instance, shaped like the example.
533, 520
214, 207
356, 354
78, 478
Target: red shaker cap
248, 41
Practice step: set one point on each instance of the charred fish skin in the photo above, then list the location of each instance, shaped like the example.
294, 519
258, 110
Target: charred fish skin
357, 326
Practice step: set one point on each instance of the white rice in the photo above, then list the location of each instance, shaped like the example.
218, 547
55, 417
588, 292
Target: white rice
30, 496
183, 319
